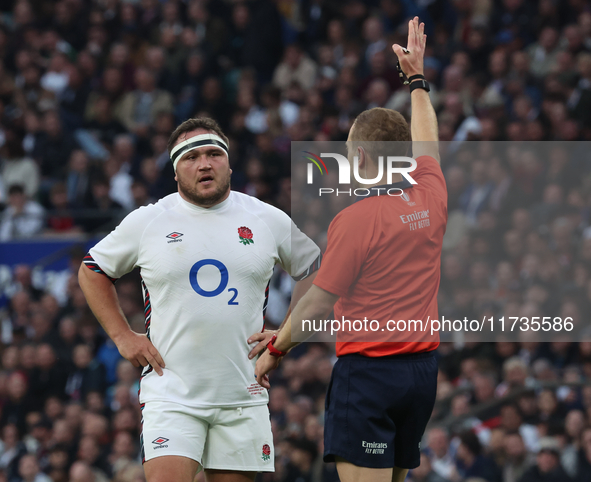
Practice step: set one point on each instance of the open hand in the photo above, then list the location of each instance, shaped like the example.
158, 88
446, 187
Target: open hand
411, 58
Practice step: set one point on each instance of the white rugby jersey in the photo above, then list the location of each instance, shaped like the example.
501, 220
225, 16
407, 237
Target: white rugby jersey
205, 275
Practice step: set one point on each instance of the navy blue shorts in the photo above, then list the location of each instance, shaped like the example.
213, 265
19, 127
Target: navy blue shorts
377, 409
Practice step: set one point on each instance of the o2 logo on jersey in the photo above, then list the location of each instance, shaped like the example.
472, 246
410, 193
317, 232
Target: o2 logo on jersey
223, 281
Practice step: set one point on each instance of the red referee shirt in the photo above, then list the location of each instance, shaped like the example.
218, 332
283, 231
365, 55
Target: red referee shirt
383, 259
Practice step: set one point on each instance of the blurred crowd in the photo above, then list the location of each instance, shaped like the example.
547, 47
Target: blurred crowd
89, 94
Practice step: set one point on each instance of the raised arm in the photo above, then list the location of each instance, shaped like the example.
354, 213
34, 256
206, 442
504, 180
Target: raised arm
423, 124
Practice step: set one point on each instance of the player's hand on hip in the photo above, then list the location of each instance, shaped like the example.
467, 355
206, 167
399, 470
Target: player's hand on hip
264, 365
262, 338
411, 58
140, 351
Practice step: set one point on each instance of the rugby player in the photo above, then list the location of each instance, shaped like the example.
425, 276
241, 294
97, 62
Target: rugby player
206, 255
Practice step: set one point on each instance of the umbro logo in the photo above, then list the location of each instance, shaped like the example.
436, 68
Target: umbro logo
160, 441
174, 237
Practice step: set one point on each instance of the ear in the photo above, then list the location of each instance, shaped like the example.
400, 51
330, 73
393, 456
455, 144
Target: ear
362, 157
175, 178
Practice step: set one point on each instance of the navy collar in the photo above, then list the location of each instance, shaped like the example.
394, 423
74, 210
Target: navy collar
377, 190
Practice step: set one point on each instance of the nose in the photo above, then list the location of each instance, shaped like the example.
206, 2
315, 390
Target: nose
204, 163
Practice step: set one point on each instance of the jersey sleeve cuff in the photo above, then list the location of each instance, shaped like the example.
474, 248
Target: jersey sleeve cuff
92, 265
315, 266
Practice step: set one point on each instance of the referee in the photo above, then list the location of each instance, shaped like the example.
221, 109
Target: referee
382, 264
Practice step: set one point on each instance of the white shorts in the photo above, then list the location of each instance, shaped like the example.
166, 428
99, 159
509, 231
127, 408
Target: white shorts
218, 438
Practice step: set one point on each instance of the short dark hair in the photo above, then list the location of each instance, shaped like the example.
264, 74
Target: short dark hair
99, 180
376, 126
59, 188
379, 124
470, 440
16, 189
189, 125
14, 145
512, 406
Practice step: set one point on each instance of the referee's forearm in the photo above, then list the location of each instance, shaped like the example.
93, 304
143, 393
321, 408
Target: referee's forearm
308, 309
423, 125
284, 338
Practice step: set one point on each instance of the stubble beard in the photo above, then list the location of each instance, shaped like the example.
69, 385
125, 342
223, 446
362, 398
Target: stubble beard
190, 192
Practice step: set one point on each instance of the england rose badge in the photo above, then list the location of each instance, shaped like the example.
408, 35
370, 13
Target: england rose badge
245, 235
266, 452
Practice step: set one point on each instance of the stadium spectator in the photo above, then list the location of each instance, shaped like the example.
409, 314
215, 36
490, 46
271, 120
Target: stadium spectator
425, 473
574, 426
53, 148
105, 209
49, 377
517, 458
74, 97
104, 126
440, 459
476, 195
22, 218
295, 67
28, 470
23, 281
139, 108
89, 375
60, 218
17, 168
471, 462
81, 472
547, 467
78, 179
111, 87
58, 463
13, 450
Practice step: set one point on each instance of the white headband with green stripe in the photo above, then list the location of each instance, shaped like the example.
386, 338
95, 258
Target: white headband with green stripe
202, 140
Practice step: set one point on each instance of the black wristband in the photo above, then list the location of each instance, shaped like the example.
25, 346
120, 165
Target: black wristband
420, 84
417, 76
